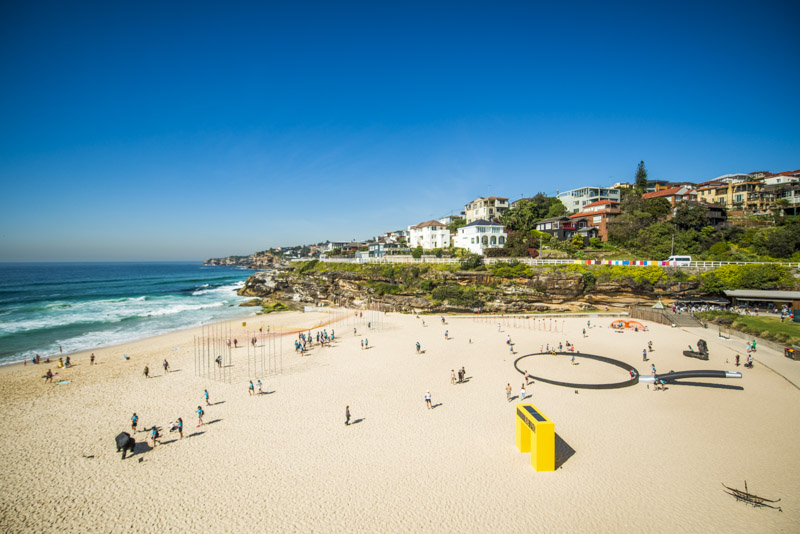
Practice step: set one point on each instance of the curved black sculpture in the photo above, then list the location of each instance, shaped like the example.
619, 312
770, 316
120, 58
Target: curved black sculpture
616, 385
677, 375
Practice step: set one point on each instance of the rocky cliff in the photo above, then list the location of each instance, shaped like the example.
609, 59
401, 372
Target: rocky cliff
259, 260
446, 291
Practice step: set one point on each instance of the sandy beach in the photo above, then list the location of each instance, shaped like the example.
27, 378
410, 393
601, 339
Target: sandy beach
629, 460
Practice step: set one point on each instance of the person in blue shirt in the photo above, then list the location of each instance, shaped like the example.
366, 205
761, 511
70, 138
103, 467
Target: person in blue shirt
251, 389
200, 414
154, 434
205, 394
134, 422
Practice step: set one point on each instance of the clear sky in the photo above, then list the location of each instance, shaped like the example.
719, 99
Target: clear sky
167, 131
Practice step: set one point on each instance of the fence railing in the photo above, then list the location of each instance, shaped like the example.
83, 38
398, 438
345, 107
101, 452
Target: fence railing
537, 261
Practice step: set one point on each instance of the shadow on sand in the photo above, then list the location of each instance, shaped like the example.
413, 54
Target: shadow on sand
563, 451
706, 385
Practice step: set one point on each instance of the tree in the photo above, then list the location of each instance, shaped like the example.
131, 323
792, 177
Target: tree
640, 186
577, 241
417, 252
456, 224
691, 216
521, 217
557, 208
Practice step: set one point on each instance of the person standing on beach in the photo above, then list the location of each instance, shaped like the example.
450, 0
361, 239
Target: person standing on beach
166, 366
428, 399
527, 379
251, 389
235, 343
418, 347
48, 377
347, 415
205, 394
91, 359
522, 392
644, 355
134, 422
180, 427
452, 377
508, 392
155, 435
362, 344
355, 332
260, 391
200, 414
366, 343
146, 372
737, 360
446, 336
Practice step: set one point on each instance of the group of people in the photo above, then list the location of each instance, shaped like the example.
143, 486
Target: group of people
155, 431
462, 376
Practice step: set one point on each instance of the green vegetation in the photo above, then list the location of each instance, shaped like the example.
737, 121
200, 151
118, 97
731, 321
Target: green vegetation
770, 328
456, 295
274, 307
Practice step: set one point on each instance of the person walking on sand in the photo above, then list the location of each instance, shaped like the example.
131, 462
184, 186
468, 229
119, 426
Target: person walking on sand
219, 361
48, 377
354, 331
508, 392
166, 366
362, 344
154, 435
644, 355
91, 359
146, 372
650, 346
205, 394
428, 399
251, 389
452, 377
446, 335
737, 360
134, 422
366, 343
418, 347
180, 427
522, 392
347, 415
200, 414
235, 343
260, 391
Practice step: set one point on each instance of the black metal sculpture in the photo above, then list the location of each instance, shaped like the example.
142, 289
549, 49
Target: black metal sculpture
701, 353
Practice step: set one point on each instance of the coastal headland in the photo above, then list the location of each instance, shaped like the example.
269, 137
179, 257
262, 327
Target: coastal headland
631, 459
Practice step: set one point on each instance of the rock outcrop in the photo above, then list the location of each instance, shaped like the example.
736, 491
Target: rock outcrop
546, 291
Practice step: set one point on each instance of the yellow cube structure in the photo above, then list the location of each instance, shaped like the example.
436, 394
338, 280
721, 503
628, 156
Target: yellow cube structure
536, 434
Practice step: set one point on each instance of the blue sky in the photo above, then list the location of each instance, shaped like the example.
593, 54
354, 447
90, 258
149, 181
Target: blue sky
169, 132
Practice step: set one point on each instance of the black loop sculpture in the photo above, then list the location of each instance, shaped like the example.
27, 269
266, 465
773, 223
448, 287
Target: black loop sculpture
614, 385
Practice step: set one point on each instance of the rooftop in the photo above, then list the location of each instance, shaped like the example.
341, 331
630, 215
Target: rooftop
429, 223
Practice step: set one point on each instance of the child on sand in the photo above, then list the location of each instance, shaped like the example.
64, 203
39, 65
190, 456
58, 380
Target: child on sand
522, 392
91, 359
250, 389
48, 377
428, 399
200, 414
154, 435
180, 427
259, 386
347, 415
452, 377
418, 347
205, 394
166, 366
146, 372
508, 392
134, 422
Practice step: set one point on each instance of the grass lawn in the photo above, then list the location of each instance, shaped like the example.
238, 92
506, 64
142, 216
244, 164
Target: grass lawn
767, 327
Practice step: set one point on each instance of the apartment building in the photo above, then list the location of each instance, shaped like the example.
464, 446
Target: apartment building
487, 208
576, 199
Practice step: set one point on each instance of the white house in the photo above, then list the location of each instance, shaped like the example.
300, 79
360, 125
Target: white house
429, 234
479, 235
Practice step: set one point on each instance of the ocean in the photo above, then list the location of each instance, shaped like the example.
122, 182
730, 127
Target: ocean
47, 307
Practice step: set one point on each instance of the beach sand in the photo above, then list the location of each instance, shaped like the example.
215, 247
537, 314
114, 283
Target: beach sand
630, 459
